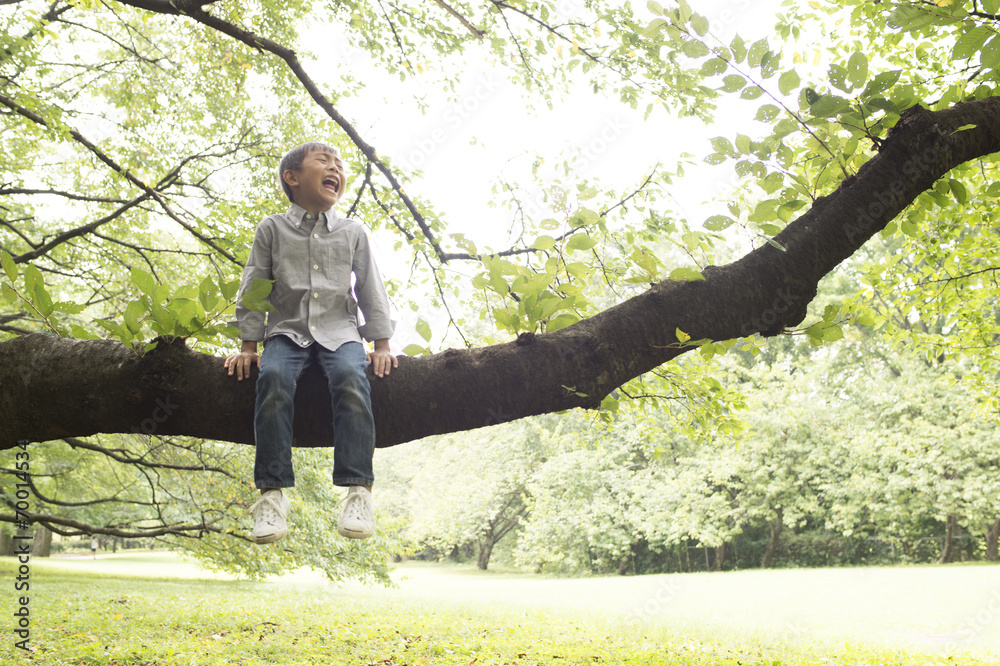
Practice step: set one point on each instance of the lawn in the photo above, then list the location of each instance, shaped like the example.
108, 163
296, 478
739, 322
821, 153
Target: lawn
153, 608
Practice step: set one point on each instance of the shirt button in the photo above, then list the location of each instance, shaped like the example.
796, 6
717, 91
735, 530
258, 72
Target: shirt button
315, 235
315, 295
315, 267
313, 327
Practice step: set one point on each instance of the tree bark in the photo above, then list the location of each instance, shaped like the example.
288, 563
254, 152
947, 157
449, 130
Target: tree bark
720, 556
992, 537
485, 551
772, 544
951, 533
52, 388
42, 546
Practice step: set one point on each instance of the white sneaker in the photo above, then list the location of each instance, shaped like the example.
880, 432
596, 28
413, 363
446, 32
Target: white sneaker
358, 518
269, 513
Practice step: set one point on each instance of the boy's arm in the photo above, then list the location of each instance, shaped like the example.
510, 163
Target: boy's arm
242, 362
252, 325
382, 360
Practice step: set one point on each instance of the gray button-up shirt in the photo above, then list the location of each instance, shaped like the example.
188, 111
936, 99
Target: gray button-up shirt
311, 262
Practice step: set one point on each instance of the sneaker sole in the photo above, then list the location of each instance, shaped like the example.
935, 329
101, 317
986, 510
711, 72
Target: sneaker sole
354, 534
268, 538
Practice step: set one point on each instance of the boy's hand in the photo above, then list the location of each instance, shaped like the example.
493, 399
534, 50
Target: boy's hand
382, 360
243, 361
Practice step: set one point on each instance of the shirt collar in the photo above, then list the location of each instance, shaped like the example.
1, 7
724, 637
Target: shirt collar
301, 216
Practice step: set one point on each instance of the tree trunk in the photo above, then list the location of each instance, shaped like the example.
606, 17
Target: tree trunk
951, 533
720, 556
42, 546
992, 536
772, 544
485, 550
52, 388
6, 544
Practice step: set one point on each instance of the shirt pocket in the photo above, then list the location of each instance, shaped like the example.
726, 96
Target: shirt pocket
337, 264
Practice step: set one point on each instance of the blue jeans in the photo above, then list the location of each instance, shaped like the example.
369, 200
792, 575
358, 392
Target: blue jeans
281, 366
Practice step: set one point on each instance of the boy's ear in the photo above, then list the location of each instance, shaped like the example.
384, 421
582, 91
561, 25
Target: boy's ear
291, 177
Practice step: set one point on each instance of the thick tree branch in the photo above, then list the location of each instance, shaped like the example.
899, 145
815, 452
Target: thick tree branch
52, 388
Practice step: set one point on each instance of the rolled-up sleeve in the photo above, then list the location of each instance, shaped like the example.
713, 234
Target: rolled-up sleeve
373, 301
251, 324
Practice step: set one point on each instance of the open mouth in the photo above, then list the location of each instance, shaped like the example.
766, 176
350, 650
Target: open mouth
332, 183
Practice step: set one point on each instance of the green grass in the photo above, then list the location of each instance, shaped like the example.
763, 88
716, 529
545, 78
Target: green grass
154, 608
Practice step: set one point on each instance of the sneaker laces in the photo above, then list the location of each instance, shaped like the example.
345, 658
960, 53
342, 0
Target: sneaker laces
269, 508
355, 507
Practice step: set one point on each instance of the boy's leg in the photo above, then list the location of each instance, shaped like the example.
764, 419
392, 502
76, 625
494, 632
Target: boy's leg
281, 365
353, 424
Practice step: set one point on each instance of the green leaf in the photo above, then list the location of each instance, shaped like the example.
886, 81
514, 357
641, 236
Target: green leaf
857, 69
424, 329
562, 321
718, 222
133, 312
229, 288
9, 267
739, 49
42, 300
685, 273
828, 105
714, 67
732, 83
755, 56
694, 48
700, 24
259, 289
682, 336
723, 145
415, 350
881, 83
990, 55
544, 243
767, 113
958, 189
838, 77
788, 81
908, 17
143, 280
971, 42
580, 242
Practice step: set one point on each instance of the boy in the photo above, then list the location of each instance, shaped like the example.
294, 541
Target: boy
311, 253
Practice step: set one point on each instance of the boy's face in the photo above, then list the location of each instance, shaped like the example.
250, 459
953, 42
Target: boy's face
320, 183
